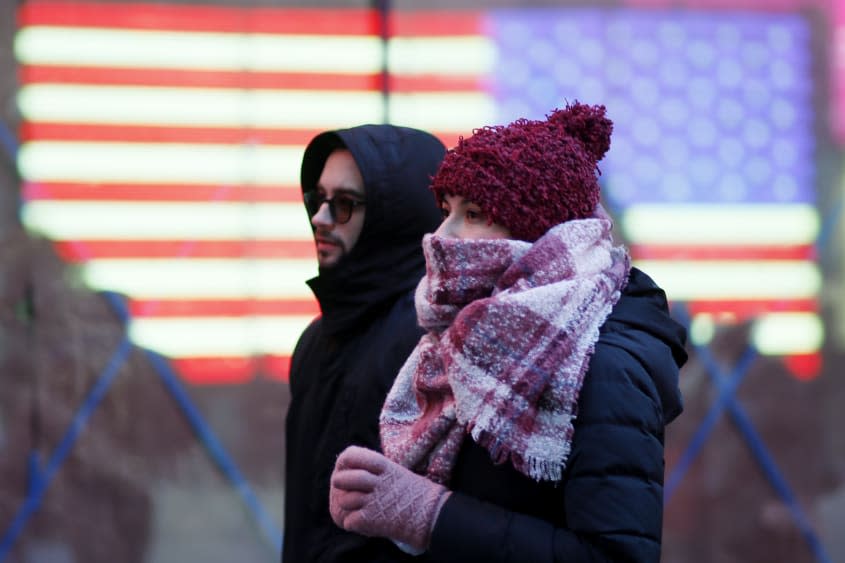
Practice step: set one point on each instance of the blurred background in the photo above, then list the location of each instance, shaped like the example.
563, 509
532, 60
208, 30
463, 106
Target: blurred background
153, 246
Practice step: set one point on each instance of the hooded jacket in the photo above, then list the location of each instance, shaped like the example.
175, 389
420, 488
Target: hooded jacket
609, 504
346, 360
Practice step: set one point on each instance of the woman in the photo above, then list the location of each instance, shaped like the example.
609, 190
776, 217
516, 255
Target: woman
528, 423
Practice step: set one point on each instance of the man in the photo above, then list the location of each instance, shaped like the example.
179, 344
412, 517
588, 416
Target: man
366, 193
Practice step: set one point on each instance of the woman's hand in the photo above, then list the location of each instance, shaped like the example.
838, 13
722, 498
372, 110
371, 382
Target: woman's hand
373, 496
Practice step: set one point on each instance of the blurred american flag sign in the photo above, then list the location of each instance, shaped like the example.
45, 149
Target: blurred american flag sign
161, 147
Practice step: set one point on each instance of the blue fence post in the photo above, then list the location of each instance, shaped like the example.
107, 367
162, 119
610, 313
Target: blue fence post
9, 142
727, 386
726, 391
216, 451
40, 480
212, 445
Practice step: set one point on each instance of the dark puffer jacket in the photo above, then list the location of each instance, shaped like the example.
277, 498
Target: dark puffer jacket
345, 362
609, 505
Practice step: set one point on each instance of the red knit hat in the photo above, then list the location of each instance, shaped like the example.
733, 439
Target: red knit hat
529, 176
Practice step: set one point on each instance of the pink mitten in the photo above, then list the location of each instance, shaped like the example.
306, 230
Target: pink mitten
374, 496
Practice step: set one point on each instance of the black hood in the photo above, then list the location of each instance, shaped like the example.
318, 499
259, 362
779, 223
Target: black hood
397, 164
640, 323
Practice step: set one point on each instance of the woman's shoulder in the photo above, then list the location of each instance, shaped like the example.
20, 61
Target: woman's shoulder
618, 389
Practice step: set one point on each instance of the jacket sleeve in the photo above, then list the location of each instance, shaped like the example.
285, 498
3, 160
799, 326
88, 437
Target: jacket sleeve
377, 356
612, 491
347, 547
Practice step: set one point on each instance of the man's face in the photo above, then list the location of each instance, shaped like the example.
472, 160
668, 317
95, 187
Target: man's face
340, 183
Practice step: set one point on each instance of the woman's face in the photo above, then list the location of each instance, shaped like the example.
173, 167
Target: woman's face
464, 219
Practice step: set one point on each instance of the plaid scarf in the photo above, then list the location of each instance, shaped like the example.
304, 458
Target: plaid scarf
510, 329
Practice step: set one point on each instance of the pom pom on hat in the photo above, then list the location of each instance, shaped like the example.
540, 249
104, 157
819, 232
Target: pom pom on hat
529, 176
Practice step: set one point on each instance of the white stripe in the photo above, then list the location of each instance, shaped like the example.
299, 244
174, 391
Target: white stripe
787, 333
772, 333
198, 50
77, 220
348, 54
160, 163
219, 336
212, 107
437, 55
229, 107
458, 112
725, 280
751, 224
702, 329
200, 278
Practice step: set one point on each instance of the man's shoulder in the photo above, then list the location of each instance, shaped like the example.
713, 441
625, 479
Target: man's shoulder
308, 336
394, 327
403, 306
400, 314
311, 329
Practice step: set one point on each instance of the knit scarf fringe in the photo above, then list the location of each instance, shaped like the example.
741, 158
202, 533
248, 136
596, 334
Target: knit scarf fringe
535, 467
511, 327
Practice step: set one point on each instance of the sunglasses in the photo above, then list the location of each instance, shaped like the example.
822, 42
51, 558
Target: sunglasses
340, 206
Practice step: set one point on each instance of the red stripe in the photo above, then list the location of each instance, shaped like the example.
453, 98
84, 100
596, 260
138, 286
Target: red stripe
82, 251
335, 21
723, 252
232, 371
804, 367
437, 23
163, 308
276, 367
110, 76
151, 134
400, 84
40, 131
141, 16
742, 310
154, 192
